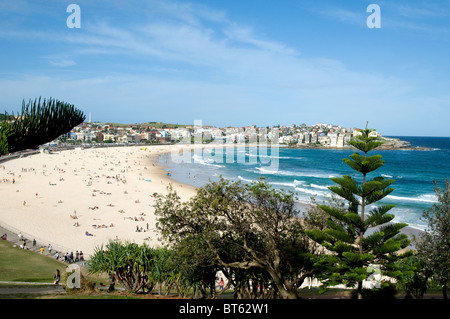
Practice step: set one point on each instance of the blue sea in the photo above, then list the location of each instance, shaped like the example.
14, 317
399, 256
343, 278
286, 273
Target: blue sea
307, 172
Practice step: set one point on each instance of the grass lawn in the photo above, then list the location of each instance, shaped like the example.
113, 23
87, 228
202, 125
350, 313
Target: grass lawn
26, 266
22, 265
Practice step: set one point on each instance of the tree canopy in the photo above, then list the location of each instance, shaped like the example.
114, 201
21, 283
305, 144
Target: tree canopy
235, 226
434, 245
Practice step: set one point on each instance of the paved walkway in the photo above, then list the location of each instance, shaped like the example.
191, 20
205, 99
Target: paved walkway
13, 238
14, 287
42, 288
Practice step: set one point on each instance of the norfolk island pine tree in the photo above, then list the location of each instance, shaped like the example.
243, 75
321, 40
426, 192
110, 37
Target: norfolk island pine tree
350, 251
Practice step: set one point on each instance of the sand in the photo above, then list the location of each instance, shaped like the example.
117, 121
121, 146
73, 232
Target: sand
108, 190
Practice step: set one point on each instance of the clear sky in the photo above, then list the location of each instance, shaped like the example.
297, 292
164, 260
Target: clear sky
234, 62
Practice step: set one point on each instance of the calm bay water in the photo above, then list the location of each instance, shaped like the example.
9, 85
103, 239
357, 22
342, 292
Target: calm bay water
307, 172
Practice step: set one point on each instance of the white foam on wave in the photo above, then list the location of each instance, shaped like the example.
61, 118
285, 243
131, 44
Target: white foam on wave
426, 198
409, 216
272, 156
208, 162
319, 186
245, 179
294, 184
312, 191
262, 170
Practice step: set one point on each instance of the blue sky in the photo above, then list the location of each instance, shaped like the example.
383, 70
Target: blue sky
234, 63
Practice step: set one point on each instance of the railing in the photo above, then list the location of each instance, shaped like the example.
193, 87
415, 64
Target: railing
56, 148
40, 242
12, 156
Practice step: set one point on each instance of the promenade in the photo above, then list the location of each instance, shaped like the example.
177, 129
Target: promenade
15, 287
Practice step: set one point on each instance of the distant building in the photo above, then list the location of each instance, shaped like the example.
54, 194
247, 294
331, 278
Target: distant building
324, 139
80, 136
307, 138
357, 132
109, 137
347, 137
99, 136
333, 139
133, 138
340, 140
69, 136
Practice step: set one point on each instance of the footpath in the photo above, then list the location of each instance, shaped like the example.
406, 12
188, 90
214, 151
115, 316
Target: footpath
13, 238
41, 288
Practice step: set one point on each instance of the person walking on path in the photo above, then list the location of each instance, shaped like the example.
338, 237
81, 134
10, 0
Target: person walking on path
50, 249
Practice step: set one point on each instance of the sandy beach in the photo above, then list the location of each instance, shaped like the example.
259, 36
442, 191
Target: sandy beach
79, 199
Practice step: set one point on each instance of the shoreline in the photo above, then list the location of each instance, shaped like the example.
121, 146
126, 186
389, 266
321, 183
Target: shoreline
322, 147
109, 188
61, 197
303, 206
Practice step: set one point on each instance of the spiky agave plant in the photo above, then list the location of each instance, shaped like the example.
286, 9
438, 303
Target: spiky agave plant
41, 121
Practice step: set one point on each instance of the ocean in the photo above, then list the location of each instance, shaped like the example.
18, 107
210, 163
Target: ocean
307, 172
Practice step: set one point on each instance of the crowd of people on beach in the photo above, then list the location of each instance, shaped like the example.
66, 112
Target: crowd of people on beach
93, 218
67, 257
70, 257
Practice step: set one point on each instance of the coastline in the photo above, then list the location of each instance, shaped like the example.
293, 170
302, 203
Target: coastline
381, 148
109, 188
303, 206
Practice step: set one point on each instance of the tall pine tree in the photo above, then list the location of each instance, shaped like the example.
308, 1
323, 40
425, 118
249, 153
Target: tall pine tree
354, 253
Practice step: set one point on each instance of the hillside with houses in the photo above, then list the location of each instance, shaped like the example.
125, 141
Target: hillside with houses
319, 135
